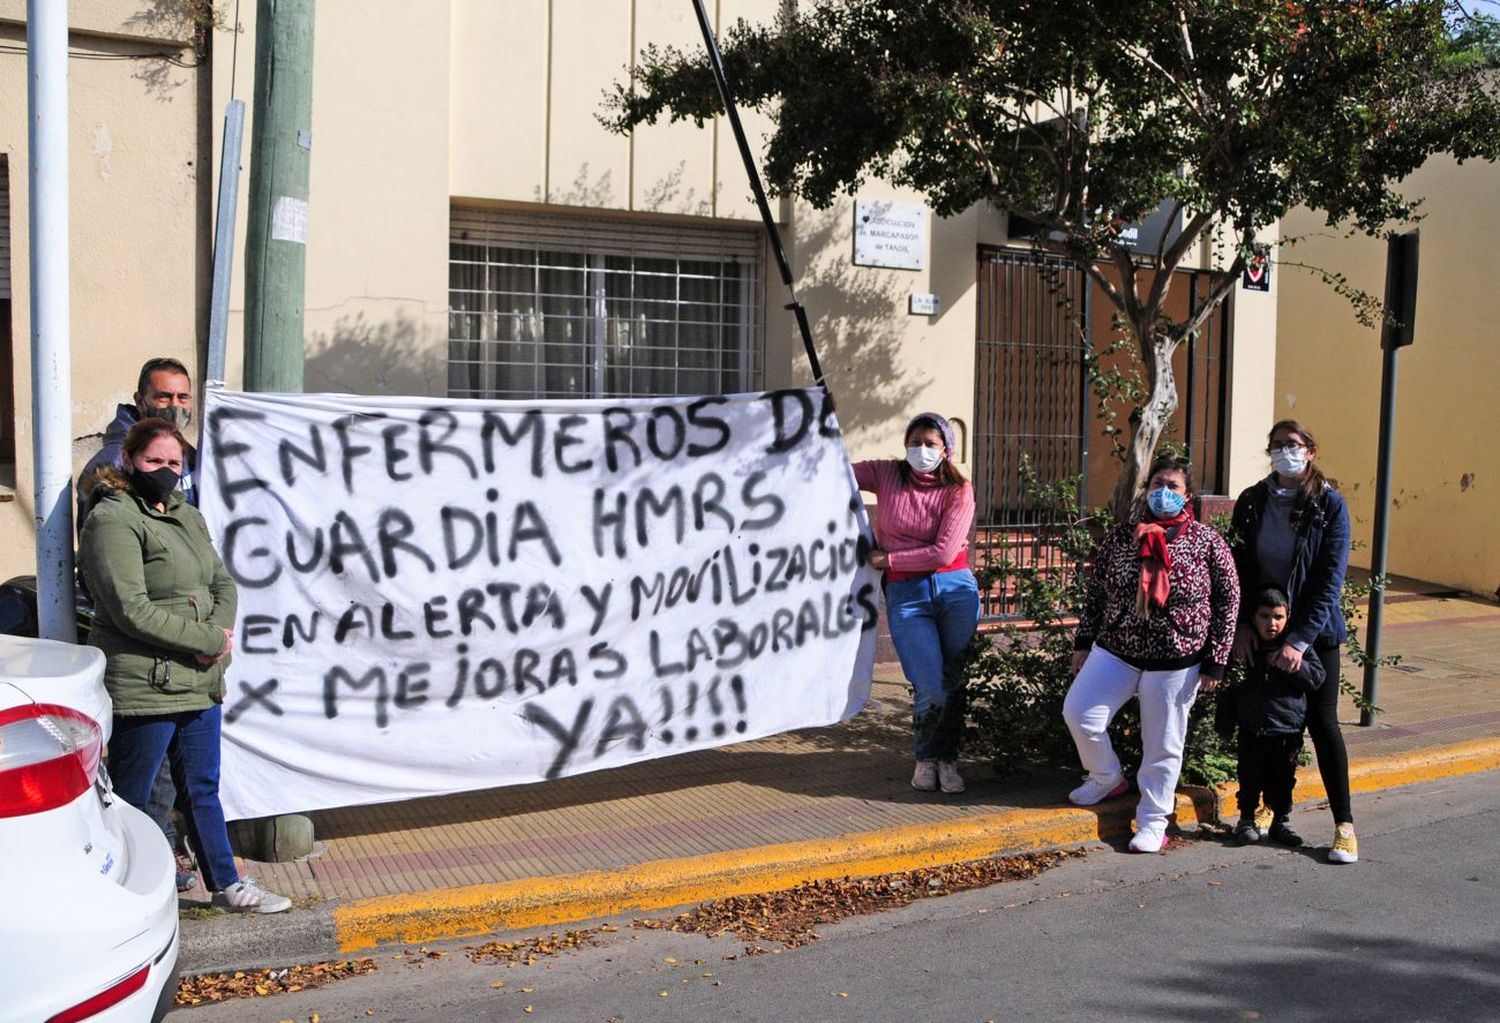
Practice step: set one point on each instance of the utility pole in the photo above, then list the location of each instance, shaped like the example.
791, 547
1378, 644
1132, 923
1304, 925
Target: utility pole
51, 357
280, 157
276, 261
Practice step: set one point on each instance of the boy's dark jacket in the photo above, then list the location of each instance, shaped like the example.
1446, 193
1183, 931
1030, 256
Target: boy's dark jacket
1270, 701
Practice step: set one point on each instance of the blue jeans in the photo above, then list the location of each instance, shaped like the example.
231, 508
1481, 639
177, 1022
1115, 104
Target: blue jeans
190, 743
932, 620
163, 798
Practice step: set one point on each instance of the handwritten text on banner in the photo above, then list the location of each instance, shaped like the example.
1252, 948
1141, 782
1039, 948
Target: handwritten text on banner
444, 596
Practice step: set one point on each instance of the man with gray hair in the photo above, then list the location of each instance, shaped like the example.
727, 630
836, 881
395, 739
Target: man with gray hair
164, 390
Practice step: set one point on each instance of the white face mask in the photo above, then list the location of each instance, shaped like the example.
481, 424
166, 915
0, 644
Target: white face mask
924, 459
1289, 461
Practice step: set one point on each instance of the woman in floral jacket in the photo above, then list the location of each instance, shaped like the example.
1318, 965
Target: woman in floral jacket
1158, 614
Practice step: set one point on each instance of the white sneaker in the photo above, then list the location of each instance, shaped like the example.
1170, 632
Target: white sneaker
1149, 838
245, 896
948, 777
925, 777
1095, 791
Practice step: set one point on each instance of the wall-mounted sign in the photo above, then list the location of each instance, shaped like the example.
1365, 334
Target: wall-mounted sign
890, 234
922, 303
1156, 230
1257, 275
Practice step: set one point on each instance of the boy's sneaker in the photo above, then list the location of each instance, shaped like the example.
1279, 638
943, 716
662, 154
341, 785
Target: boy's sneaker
245, 896
925, 777
1282, 834
1246, 832
1149, 838
1345, 848
948, 777
1095, 791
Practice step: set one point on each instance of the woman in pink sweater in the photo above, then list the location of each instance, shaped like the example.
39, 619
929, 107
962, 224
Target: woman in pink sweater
926, 508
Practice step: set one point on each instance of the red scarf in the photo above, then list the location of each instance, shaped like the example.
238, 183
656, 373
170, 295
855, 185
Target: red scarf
1156, 561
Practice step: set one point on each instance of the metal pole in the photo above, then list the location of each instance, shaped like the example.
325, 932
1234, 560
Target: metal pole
1382, 525
229, 190
280, 160
1397, 332
51, 364
716, 63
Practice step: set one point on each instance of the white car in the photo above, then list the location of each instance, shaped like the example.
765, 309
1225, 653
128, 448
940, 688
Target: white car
88, 895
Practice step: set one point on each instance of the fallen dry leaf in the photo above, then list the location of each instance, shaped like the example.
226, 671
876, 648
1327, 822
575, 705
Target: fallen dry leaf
220, 987
528, 949
789, 917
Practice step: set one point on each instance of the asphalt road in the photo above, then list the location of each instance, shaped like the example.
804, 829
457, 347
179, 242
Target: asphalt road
1204, 932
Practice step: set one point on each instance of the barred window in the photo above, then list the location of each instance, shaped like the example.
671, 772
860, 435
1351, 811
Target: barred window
573, 307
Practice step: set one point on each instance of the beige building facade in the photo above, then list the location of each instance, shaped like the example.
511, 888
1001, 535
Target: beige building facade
1446, 462
475, 232
139, 216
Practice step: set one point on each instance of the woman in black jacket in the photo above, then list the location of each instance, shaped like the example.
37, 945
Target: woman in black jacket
1292, 532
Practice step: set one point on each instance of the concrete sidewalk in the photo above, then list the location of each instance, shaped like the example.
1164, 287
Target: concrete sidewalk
771, 813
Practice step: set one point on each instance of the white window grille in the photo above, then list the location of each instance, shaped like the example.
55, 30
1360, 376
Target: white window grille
546, 306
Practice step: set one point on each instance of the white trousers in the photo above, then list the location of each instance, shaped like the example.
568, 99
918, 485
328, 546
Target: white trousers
1106, 684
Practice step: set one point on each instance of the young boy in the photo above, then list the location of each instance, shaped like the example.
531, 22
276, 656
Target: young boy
1271, 708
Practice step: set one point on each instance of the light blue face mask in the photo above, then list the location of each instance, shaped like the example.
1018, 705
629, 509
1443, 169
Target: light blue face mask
1164, 503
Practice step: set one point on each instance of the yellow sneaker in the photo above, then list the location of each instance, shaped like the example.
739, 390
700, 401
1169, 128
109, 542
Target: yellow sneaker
1264, 817
1345, 848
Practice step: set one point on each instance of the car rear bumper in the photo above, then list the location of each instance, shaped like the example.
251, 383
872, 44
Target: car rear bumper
75, 931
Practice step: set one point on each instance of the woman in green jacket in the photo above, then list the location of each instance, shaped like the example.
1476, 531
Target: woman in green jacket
164, 617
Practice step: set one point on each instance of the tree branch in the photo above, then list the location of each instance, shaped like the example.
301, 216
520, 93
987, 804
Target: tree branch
1173, 256
1187, 50
1216, 296
1105, 284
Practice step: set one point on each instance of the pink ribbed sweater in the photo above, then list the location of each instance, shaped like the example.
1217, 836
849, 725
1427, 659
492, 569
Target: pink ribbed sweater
924, 527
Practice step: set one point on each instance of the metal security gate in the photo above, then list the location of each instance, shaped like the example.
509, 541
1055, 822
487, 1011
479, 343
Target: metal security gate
1035, 410
1031, 412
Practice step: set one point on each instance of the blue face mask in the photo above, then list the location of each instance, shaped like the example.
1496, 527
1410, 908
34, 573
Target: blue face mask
1164, 503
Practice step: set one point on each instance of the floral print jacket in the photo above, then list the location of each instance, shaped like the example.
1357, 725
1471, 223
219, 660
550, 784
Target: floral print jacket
1197, 624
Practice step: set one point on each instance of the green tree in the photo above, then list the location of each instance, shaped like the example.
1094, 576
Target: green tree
1083, 117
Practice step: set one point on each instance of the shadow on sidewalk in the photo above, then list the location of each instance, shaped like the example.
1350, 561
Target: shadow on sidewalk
866, 759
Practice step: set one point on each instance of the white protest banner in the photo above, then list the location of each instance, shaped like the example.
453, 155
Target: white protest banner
437, 596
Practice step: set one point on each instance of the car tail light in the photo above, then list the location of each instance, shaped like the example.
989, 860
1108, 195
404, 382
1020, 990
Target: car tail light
112, 995
49, 755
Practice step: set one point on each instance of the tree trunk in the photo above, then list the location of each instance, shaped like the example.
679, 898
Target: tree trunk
1155, 415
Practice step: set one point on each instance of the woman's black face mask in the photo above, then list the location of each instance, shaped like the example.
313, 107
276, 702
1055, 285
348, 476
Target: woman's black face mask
155, 486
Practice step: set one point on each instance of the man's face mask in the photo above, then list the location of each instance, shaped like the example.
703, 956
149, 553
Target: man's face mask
178, 415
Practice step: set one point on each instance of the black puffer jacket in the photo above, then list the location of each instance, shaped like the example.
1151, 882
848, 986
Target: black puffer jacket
1269, 701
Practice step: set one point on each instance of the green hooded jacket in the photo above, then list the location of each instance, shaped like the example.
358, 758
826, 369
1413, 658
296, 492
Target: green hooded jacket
161, 598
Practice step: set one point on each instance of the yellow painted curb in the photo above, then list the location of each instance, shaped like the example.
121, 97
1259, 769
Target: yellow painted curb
546, 901
549, 901
1392, 771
